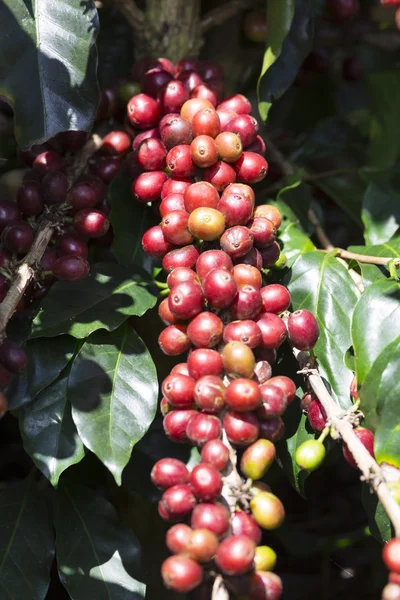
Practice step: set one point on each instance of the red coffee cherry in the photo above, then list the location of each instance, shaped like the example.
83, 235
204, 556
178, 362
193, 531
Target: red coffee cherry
69, 244
316, 415
241, 428
206, 224
265, 585
175, 424
179, 275
243, 395
173, 340
202, 545
181, 368
270, 255
170, 203
273, 330
272, 429
212, 259
225, 116
271, 212
259, 147
219, 288
247, 303
9, 213
192, 106
91, 223
48, 161
116, 143
286, 384
190, 79
151, 155
251, 167
391, 555
178, 501
303, 329
237, 241
273, 401
143, 111
153, 133
172, 96
238, 360
175, 130
87, 192
175, 227
155, 243
366, 437
70, 268
205, 92
215, 453
247, 332
245, 126
238, 103
235, 555
263, 231
275, 297
179, 390
168, 472
181, 257
220, 175
202, 428
209, 394
237, 209
206, 482
18, 237
30, 198
205, 330
242, 190
203, 151
245, 274
147, 187
214, 517
154, 80
186, 300
180, 162
200, 194
229, 146
206, 122
13, 357
177, 538
181, 573
244, 524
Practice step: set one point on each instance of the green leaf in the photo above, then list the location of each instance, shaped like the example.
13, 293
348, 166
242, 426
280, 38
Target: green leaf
290, 37
370, 274
384, 96
113, 391
376, 341
103, 300
26, 541
295, 199
51, 44
49, 433
129, 219
321, 284
347, 191
291, 233
114, 45
390, 249
46, 360
378, 521
97, 556
380, 213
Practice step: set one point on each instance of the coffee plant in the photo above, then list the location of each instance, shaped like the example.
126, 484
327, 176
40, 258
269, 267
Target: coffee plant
199, 299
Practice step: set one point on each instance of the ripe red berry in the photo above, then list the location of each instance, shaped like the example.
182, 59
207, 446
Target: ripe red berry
91, 223
245, 274
190, 78
271, 212
225, 116
273, 330
265, 586
206, 482
251, 167
48, 161
273, 401
303, 329
245, 126
178, 501
215, 453
179, 161
238, 360
220, 175
171, 202
172, 96
202, 544
175, 227
69, 244
13, 357
30, 198
151, 155
366, 437
154, 80
143, 111
237, 241
155, 243
175, 185
202, 428
270, 255
181, 573
179, 275
179, 390
200, 194
235, 555
238, 103
177, 537
192, 106
186, 300
243, 395
263, 231
18, 237
181, 257
241, 428
244, 524
175, 130
219, 288
116, 143
175, 424
286, 384
391, 555
316, 415
247, 303
212, 259
275, 297
203, 151
206, 122
147, 186
272, 429
215, 517
209, 394
205, 330
237, 209
205, 92
168, 472
246, 331
71, 268
173, 340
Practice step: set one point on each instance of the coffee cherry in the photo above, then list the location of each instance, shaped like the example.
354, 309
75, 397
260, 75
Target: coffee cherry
202, 545
247, 303
212, 259
206, 122
13, 357
273, 429
170, 203
214, 517
177, 538
181, 257
255, 27
18, 237
178, 501
173, 340
48, 161
5, 258
264, 559
155, 243
209, 394
205, 330
235, 555
242, 395
220, 175
391, 591
190, 78
69, 244
175, 227
238, 103
204, 361
192, 106
168, 472
180, 162
205, 92
267, 510
5, 376
175, 130
179, 390
245, 127
147, 186
273, 401
200, 194
257, 459
219, 288
275, 297
258, 146
237, 209
186, 300
83, 194
206, 223
187, 63
271, 212
175, 424
203, 151
151, 155
206, 482
215, 453
179, 275
244, 524
366, 437
251, 167
310, 454
30, 198
273, 330
246, 331
154, 80
238, 360
143, 111
391, 555
172, 96
316, 416
202, 428
181, 573
306, 401
343, 9
236, 241
303, 329
265, 586
263, 231
91, 223
241, 428
287, 386
229, 146
247, 275
181, 368
70, 268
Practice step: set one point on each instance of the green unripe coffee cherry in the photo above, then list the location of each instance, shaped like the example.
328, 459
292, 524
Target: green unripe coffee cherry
264, 559
127, 90
310, 455
257, 459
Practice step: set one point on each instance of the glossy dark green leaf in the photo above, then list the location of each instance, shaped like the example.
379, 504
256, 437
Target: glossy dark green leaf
297, 197
290, 37
295, 241
378, 521
376, 342
390, 249
370, 274
321, 284
26, 541
380, 213
130, 220
46, 360
49, 433
51, 45
103, 300
97, 556
384, 96
113, 391
348, 193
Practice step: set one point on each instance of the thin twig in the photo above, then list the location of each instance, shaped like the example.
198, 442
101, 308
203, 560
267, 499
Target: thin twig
133, 15
365, 258
319, 230
79, 163
219, 591
341, 423
220, 14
